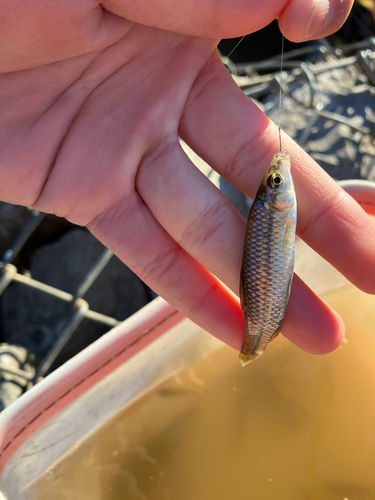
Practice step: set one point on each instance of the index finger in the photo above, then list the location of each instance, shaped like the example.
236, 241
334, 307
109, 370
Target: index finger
238, 141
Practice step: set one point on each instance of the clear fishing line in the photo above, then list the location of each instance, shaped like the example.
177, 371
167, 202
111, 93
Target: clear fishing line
281, 85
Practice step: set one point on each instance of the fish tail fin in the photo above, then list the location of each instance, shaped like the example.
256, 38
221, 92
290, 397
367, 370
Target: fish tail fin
247, 357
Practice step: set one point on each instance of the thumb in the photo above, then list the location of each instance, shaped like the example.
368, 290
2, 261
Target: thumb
299, 19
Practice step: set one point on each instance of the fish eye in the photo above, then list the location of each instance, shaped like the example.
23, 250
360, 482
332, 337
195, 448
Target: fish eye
275, 181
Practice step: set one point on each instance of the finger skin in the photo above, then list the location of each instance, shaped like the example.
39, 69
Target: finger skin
321, 18
329, 220
194, 212
310, 323
129, 229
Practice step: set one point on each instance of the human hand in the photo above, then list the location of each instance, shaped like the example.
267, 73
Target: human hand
92, 107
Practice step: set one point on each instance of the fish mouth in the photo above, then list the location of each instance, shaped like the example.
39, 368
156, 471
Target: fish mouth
280, 156
246, 358
280, 161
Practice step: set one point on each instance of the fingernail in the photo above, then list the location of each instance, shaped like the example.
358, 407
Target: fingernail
319, 19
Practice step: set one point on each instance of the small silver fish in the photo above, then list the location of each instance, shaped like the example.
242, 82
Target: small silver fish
268, 258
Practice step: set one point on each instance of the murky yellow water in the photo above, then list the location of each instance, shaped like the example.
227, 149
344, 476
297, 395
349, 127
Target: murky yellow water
291, 426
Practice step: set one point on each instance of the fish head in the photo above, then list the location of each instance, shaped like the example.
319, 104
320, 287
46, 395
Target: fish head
277, 190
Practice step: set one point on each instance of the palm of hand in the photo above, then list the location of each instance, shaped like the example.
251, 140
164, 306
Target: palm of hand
97, 143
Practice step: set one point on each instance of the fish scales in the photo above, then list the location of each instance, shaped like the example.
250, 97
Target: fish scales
261, 263
268, 258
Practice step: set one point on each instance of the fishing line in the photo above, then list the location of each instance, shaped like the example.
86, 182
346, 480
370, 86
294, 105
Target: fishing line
234, 48
280, 80
281, 85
